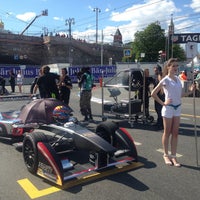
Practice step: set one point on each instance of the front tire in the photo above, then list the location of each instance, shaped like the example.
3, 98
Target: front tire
30, 152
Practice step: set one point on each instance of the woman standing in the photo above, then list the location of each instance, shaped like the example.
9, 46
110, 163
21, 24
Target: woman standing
19, 81
65, 86
171, 109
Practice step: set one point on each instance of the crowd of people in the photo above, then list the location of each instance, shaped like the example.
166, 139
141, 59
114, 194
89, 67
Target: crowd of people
52, 85
13, 80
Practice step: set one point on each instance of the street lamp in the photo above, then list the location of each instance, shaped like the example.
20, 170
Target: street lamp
69, 22
97, 10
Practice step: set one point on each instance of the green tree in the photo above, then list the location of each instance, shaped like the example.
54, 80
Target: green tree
149, 41
152, 40
178, 52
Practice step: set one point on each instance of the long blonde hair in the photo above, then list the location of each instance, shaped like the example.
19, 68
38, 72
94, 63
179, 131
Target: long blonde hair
169, 62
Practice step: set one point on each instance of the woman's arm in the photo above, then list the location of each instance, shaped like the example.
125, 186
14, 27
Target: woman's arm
154, 94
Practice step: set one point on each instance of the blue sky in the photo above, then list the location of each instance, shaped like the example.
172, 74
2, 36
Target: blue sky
129, 16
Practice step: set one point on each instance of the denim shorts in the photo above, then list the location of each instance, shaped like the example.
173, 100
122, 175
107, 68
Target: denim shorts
170, 111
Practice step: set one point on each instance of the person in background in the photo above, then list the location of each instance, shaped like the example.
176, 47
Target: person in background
33, 84
145, 99
65, 86
2, 84
197, 76
86, 85
12, 80
171, 109
19, 81
183, 76
47, 84
158, 107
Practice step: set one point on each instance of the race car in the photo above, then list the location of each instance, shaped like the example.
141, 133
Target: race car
63, 152
10, 126
13, 124
57, 147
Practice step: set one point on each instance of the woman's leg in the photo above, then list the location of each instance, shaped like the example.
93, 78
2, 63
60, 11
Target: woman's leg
174, 139
20, 88
167, 122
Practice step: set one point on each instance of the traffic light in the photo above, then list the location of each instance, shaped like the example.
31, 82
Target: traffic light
161, 56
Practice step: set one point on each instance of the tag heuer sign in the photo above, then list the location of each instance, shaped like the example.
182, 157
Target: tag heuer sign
186, 37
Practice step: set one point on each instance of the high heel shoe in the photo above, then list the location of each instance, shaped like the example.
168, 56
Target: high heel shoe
167, 160
174, 161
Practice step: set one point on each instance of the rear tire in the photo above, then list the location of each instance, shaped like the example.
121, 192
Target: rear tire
117, 137
106, 130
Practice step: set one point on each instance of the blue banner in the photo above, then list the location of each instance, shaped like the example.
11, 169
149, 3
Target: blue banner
108, 71
29, 71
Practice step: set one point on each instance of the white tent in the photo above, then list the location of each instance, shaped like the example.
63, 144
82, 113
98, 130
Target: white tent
196, 62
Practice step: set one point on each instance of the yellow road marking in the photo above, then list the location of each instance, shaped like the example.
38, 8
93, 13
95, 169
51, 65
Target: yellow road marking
184, 115
187, 115
34, 193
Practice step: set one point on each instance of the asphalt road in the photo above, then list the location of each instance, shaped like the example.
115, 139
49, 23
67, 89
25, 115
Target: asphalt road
152, 181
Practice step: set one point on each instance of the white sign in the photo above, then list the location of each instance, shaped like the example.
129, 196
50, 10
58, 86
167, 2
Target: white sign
191, 49
22, 67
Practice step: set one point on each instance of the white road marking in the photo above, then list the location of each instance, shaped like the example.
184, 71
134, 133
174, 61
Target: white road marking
161, 151
185, 118
99, 101
137, 143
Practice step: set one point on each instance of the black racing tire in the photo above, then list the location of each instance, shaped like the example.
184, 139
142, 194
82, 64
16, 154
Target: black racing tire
30, 151
106, 130
3, 130
150, 119
104, 118
136, 79
119, 139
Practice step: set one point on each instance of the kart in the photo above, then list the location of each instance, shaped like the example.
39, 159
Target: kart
59, 152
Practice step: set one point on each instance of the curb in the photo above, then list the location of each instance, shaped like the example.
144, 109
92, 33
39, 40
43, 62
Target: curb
15, 97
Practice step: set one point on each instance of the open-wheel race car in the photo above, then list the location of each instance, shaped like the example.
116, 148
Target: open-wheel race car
58, 148
11, 127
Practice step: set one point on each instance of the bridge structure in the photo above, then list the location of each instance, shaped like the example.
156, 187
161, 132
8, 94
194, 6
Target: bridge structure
24, 50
